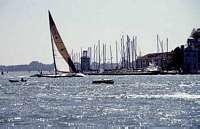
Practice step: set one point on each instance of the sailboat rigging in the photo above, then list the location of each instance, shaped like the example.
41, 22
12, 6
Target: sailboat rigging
59, 47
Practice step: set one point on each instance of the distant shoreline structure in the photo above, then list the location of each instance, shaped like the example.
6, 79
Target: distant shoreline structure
33, 66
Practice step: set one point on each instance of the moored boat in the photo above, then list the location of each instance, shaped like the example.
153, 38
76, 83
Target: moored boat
17, 80
104, 81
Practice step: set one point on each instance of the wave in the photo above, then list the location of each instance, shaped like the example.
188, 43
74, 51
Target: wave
178, 95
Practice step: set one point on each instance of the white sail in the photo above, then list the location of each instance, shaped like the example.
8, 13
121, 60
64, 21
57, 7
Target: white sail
61, 64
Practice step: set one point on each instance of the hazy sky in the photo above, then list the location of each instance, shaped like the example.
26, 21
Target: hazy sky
24, 27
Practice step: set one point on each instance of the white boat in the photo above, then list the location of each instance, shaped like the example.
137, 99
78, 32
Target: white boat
152, 68
63, 64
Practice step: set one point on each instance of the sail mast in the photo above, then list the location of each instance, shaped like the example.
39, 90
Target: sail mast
54, 61
116, 55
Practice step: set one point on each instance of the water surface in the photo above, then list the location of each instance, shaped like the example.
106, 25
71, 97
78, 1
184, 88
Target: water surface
156, 101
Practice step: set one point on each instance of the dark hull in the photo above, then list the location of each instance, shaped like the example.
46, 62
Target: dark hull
103, 82
14, 81
17, 81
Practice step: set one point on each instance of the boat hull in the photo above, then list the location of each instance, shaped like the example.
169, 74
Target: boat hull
59, 75
103, 81
12, 80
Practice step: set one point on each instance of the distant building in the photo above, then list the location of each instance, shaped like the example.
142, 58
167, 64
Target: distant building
194, 42
185, 59
192, 53
190, 60
85, 62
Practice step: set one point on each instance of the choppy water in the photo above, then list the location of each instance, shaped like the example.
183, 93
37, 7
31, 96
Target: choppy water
146, 102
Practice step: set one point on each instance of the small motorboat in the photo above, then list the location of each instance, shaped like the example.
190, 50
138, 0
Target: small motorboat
104, 81
15, 80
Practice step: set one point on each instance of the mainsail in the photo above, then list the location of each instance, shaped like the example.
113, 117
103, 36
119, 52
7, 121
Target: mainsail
60, 46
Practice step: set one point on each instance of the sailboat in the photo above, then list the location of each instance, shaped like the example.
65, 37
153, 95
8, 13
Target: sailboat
69, 69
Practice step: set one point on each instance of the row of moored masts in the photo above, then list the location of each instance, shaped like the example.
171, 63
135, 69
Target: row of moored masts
120, 55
